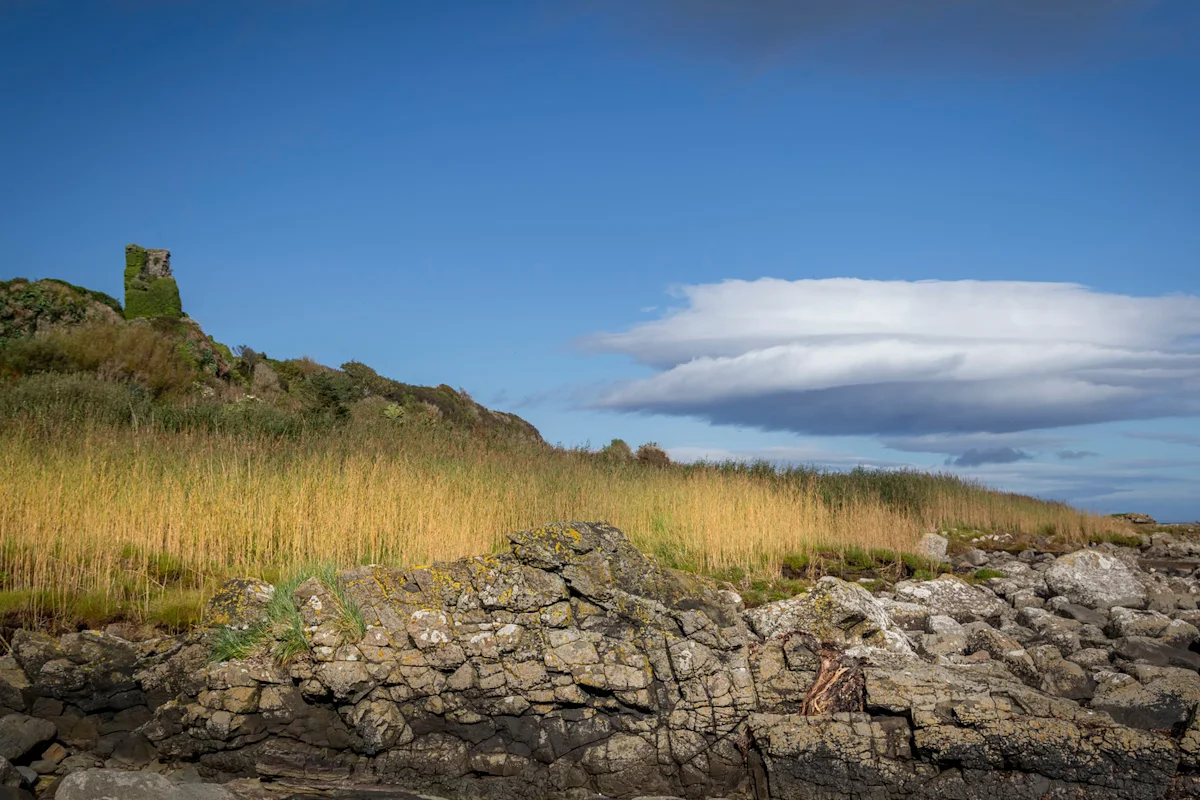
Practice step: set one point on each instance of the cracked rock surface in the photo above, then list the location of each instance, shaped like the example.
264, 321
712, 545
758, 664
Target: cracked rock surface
577, 667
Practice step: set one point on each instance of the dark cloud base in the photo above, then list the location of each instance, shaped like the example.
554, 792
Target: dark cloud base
913, 409
998, 455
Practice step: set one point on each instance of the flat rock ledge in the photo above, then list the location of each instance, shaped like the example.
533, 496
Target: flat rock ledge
577, 667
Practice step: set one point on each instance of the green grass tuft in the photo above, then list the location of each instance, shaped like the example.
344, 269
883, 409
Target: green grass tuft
235, 644
985, 574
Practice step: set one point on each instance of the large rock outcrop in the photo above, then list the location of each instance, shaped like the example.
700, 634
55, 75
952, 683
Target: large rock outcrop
576, 667
575, 664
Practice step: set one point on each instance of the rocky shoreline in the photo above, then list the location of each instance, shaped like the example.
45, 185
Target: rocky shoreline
576, 667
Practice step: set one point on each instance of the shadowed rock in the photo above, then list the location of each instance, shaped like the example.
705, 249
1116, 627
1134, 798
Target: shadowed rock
576, 666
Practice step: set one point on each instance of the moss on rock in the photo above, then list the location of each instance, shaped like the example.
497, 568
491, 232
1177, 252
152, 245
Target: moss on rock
150, 291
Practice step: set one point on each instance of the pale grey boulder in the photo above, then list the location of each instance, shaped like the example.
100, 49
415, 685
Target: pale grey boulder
109, 784
933, 547
1096, 580
950, 596
834, 612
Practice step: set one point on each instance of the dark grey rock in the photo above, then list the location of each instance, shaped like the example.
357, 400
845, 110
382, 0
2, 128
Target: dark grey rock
1152, 651
21, 734
1166, 701
1083, 614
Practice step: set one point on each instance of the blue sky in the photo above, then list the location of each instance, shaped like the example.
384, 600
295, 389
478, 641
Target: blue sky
527, 199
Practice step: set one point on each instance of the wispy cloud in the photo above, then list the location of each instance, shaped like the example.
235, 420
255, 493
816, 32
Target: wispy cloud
1188, 439
905, 359
1075, 455
1008, 34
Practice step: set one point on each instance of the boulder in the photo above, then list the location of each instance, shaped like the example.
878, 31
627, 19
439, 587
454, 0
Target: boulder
90, 669
12, 685
1091, 658
1166, 701
1095, 580
8, 773
975, 557
21, 734
239, 603
835, 612
933, 547
950, 596
1151, 651
909, 616
1063, 678
1153, 624
1134, 622
109, 784
1061, 632
988, 737
1082, 614
981, 637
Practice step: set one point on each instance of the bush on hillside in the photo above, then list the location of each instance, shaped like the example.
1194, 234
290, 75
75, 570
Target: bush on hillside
58, 400
136, 353
652, 455
617, 450
26, 307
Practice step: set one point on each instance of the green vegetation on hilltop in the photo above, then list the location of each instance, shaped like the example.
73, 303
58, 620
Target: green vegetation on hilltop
173, 375
29, 306
148, 295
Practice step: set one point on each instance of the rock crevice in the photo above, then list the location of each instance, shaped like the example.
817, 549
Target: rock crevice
575, 666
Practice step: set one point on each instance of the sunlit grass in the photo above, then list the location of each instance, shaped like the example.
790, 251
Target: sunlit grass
102, 521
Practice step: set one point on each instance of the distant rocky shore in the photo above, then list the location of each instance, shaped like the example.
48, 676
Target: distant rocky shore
576, 667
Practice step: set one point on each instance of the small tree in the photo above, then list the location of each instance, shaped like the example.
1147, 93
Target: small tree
247, 360
652, 455
617, 450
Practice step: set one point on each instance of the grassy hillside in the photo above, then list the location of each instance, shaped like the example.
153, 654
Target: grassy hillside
103, 519
142, 463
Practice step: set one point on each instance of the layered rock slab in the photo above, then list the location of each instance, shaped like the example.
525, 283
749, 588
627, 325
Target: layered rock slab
575, 664
577, 667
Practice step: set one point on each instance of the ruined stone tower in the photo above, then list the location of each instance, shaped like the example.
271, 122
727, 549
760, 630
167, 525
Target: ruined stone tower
150, 290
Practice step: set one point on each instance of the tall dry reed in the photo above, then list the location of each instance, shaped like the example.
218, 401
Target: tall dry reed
110, 518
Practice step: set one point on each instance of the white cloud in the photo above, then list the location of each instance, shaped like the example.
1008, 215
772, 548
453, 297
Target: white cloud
911, 359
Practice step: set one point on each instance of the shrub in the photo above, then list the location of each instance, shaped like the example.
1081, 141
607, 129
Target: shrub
652, 455
326, 393
616, 450
128, 352
26, 307
247, 360
135, 353
32, 355
58, 400
99, 297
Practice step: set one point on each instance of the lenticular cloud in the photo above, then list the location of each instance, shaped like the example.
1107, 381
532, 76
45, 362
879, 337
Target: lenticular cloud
848, 356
